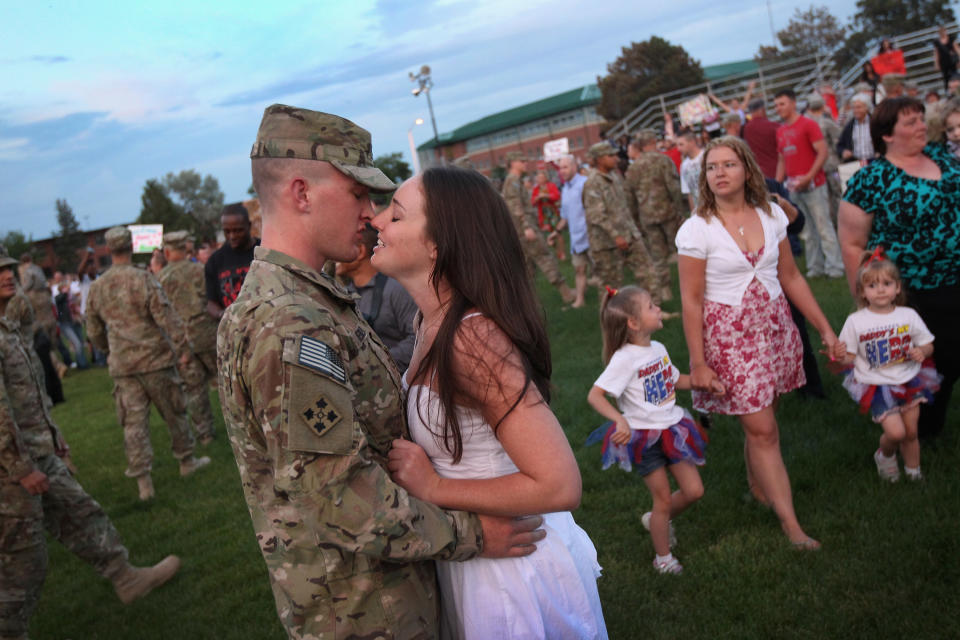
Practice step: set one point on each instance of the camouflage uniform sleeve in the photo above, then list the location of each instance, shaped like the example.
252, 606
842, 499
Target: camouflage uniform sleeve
595, 211
166, 318
517, 199
96, 331
322, 462
631, 182
14, 458
671, 179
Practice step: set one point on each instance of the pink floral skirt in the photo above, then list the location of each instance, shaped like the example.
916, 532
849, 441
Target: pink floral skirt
754, 348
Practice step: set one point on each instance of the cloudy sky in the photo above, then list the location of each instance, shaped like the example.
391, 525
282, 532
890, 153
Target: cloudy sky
98, 97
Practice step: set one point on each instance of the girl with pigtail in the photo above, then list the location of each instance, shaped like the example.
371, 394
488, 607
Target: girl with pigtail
649, 433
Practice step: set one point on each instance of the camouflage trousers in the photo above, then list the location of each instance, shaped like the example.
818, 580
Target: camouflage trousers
539, 255
659, 237
69, 515
835, 191
133, 395
608, 265
197, 375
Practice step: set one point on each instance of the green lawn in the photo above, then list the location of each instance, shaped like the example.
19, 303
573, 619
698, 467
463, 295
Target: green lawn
889, 565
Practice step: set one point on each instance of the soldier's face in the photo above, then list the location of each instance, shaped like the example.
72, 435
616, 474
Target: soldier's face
8, 284
340, 208
404, 250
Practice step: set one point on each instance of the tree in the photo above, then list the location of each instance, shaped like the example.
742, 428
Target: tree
69, 239
645, 69
815, 30
199, 197
16, 243
158, 208
884, 18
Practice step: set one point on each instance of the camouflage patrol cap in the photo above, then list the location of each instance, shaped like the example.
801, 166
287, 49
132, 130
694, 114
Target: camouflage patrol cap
602, 149
815, 101
291, 132
645, 136
119, 239
5, 259
514, 156
176, 240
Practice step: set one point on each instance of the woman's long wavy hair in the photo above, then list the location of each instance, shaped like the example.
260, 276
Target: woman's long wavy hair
754, 188
480, 258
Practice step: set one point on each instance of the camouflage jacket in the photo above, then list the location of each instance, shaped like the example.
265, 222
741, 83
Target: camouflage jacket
831, 135
129, 316
312, 402
652, 185
35, 288
20, 310
605, 208
27, 431
518, 202
183, 282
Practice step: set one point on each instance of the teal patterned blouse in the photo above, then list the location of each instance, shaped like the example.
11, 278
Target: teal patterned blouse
917, 221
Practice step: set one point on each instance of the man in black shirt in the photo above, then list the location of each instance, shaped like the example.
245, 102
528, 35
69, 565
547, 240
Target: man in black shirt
227, 267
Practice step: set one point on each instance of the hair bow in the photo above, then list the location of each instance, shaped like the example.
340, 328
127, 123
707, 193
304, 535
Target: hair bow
611, 290
876, 255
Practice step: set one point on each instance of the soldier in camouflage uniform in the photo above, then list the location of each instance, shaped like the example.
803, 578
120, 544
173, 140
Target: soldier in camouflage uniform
183, 282
535, 246
129, 316
38, 492
652, 185
615, 241
831, 134
312, 402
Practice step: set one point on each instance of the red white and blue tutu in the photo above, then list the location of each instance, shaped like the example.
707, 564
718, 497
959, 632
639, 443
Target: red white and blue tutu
879, 400
685, 441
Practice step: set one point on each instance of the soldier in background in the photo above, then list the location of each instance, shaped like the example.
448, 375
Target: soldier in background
535, 246
312, 403
831, 134
183, 282
23, 308
129, 317
652, 186
615, 241
37, 490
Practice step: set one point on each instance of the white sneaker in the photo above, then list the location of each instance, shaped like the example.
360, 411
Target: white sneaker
645, 521
190, 465
887, 467
672, 566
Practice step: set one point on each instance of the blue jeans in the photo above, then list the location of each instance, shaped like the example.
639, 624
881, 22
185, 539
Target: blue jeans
821, 247
69, 331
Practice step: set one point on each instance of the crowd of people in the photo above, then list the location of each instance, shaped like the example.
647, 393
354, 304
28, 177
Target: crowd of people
384, 376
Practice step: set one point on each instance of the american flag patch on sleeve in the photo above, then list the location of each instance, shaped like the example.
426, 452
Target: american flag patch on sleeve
319, 356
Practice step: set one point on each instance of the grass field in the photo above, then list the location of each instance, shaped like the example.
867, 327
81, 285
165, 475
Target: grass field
889, 566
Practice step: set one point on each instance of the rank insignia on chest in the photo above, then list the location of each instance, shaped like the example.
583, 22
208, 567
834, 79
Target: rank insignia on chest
319, 356
321, 416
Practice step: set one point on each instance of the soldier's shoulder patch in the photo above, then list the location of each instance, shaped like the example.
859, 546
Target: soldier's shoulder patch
360, 334
319, 356
321, 415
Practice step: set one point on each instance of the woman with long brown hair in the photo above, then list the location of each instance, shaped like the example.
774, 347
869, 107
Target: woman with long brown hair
735, 266
478, 388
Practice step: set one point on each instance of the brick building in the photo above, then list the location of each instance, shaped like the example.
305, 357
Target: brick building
485, 142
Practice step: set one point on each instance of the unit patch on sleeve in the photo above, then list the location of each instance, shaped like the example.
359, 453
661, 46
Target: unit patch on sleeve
319, 356
321, 416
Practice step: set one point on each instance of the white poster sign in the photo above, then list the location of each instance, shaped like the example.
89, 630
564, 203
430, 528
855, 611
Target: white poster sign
553, 150
146, 237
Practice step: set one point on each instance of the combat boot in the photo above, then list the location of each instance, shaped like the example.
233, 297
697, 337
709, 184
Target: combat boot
566, 294
145, 482
191, 464
136, 582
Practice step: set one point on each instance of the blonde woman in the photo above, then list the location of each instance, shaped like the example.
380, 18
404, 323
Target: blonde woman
735, 270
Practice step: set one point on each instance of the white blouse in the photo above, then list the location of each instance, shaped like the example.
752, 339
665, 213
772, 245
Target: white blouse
728, 272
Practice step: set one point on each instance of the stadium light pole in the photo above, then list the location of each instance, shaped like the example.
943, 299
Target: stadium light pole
413, 149
424, 84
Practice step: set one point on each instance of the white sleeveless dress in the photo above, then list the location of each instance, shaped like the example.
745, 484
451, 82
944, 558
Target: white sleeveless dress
551, 593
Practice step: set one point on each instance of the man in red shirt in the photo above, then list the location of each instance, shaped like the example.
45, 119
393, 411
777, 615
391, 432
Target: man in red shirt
802, 152
760, 135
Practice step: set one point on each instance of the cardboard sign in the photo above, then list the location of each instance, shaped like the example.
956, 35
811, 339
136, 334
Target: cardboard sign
146, 237
555, 149
697, 110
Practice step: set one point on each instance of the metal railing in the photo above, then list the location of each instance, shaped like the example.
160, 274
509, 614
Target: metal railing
804, 75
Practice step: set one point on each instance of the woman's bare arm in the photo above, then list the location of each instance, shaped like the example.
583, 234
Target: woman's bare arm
853, 231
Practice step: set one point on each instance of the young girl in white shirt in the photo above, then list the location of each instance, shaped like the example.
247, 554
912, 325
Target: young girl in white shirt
889, 346
649, 431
